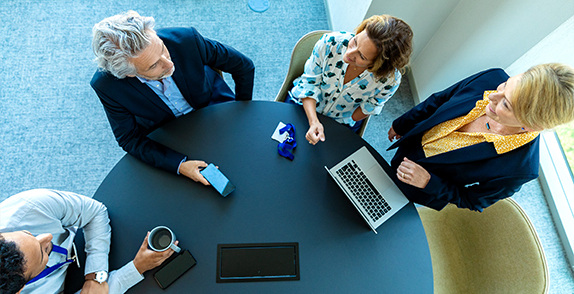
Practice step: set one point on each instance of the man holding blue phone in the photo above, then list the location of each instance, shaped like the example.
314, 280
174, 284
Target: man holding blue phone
148, 77
219, 181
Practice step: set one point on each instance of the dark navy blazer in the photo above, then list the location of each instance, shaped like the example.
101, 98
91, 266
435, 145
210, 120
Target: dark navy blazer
472, 177
134, 110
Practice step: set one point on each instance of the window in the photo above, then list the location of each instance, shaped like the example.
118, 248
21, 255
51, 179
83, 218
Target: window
556, 181
566, 135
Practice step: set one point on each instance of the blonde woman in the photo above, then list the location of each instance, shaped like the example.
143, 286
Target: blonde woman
477, 141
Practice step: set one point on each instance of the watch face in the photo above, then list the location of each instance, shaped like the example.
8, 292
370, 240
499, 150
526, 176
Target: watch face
101, 276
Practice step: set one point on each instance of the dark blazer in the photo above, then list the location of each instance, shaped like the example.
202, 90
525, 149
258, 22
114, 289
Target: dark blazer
134, 110
473, 177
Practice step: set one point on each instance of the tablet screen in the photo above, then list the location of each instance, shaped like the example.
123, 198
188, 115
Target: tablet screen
257, 262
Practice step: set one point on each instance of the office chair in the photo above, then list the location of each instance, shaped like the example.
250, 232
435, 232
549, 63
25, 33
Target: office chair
496, 251
299, 56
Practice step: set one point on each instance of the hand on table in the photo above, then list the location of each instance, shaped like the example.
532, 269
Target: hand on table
393, 135
315, 133
191, 170
147, 259
413, 174
93, 287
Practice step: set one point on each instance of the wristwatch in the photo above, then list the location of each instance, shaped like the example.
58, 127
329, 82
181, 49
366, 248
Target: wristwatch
99, 277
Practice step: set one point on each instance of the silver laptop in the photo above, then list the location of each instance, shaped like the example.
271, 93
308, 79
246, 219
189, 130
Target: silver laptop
368, 187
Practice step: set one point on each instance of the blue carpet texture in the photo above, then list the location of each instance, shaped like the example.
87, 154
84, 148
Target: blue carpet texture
53, 130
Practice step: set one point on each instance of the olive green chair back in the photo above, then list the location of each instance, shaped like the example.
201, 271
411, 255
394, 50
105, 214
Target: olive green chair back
496, 251
299, 56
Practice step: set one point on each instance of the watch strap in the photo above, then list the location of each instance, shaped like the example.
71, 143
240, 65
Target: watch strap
94, 276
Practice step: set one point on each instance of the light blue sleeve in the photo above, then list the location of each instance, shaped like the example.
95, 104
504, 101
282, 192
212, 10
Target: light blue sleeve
308, 84
60, 213
74, 210
119, 281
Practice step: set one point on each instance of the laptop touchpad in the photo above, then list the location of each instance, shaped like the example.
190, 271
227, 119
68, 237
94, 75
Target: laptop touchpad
379, 178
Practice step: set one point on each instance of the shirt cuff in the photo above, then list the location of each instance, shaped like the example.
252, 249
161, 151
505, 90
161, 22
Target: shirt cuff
371, 109
302, 90
96, 262
124, 278
182, 161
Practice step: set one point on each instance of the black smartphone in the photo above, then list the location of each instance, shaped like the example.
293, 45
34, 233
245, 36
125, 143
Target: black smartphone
174, 269
217, 180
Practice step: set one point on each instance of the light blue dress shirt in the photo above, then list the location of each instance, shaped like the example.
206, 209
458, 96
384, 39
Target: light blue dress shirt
61, 214
169, 93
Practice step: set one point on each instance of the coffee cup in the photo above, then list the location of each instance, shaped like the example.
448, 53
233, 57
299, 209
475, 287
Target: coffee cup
162, 238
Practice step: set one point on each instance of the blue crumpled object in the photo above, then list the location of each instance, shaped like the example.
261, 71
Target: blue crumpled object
286, 147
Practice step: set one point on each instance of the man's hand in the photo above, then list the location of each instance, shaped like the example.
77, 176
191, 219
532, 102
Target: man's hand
393, 135
413, 174
147, 259
191, 170
315, 133
93, 287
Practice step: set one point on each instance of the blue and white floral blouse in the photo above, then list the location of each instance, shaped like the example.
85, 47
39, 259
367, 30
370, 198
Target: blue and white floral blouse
323, 79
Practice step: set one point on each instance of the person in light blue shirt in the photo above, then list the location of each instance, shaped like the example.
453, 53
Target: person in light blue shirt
350, 76
34, 223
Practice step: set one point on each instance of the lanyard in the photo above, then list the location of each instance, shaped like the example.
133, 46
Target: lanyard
49, 270
287, 146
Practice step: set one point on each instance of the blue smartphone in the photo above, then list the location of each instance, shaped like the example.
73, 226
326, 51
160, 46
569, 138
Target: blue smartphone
217, 180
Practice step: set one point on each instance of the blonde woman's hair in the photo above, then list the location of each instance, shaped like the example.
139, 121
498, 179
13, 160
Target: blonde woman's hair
393, 38
544, 96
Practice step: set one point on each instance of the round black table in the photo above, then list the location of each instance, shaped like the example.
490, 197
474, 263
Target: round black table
276, 200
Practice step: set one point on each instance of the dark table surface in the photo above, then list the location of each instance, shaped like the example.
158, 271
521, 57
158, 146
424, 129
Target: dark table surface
276, 200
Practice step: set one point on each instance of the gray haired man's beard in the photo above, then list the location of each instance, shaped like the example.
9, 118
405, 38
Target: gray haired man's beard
168, 73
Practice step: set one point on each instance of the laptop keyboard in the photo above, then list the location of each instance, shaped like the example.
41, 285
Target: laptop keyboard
363, 190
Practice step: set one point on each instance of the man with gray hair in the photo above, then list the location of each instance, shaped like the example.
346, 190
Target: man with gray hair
147, 78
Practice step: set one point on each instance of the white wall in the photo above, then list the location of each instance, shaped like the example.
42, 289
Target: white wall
483, 34
424, 16
345, 15
558, 46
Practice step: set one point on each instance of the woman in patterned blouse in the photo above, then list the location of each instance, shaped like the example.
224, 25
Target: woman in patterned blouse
349, 77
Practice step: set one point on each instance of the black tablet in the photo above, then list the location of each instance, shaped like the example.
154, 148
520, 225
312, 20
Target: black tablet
257, 262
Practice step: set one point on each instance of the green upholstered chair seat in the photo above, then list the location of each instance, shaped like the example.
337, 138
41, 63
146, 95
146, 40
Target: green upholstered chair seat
496, 251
